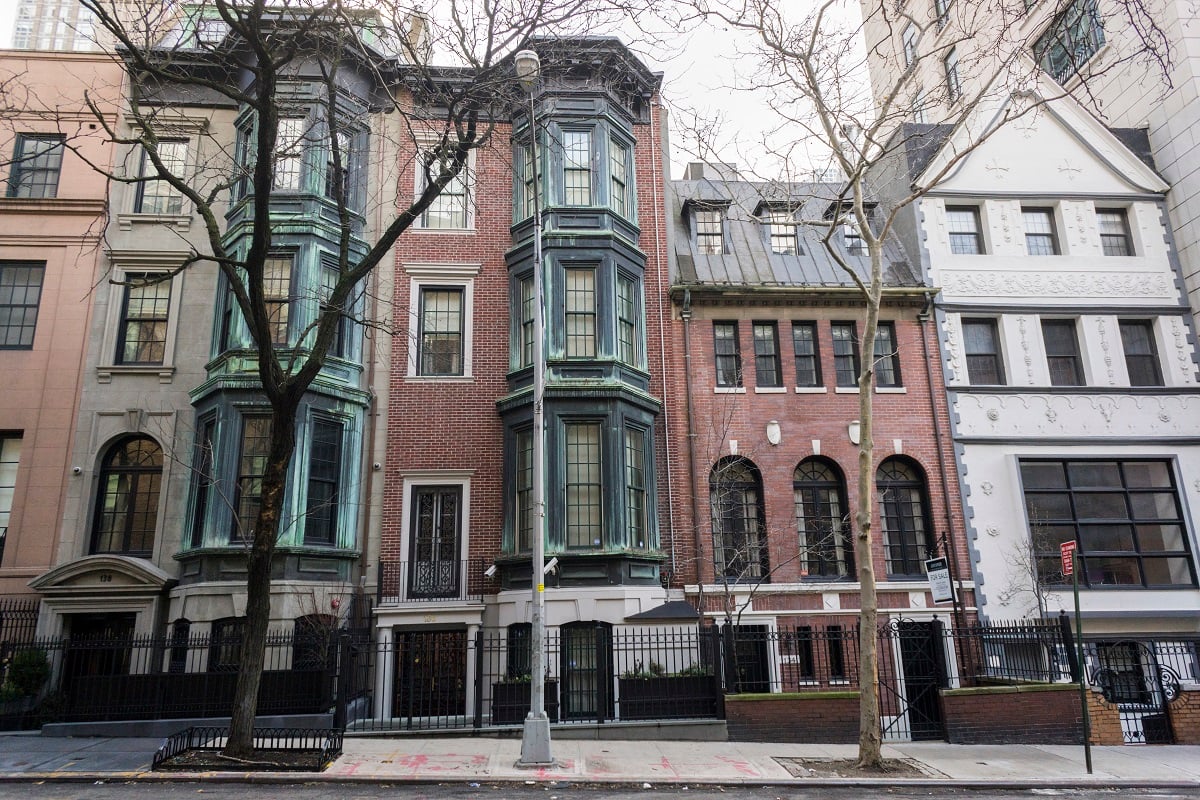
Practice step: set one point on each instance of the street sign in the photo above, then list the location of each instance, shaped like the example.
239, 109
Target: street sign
1067, 550
938, 570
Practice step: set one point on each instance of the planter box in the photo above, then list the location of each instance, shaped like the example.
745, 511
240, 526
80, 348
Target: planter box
510, 702
668, 698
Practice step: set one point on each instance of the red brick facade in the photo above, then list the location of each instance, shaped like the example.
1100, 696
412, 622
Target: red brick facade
817, 424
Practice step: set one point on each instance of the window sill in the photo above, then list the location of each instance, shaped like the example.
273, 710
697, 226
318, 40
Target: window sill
846, 390
891, 390
729, 390
444, 231
180, 221
811, 390
770, 390
165, 372
439, 378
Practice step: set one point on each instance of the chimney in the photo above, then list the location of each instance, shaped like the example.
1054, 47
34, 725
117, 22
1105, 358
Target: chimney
719, 171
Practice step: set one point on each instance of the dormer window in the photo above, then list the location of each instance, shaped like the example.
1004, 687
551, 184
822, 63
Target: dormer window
782, 234
710, 231
851, 235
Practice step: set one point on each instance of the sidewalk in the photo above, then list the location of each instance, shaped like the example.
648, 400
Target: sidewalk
481, 760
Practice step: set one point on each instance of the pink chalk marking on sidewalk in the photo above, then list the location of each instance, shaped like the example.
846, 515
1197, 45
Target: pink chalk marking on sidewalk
741, 766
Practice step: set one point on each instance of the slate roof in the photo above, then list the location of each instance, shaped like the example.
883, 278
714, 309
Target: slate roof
748, 261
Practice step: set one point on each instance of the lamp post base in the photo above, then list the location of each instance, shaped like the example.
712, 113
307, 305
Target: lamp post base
535, 743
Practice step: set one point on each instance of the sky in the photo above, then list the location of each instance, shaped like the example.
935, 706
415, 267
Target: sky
706, 71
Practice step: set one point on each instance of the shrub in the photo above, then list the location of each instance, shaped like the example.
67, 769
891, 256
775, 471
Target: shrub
28, 672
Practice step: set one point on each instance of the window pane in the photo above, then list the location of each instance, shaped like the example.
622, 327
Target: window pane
1106, 571
710, 239
619, 174
1141, 355
963, 225
324, 472
804, 341
144, 327
628, 336
441, 332
581, 313
728, 354
1043, 474
577, 168
583, 484
1161, 538
766, 355
1113, 550
37, 160
845, 352
1039, 231
159, 197
20, 293
252, 465
1167, 572
887, 358
1099, 538
289, 153
277, 286
1094, 474
1047, 506
1114, 232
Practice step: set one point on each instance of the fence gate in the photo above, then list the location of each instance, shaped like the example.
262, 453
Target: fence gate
1131, 676
431, 672
912, 670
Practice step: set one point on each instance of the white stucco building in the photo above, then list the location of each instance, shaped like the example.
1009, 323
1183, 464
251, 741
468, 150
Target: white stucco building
1071, 369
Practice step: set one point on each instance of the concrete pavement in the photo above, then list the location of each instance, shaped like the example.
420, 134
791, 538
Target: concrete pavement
26, 757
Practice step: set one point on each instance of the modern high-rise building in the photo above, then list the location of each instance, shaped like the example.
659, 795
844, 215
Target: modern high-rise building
52, 25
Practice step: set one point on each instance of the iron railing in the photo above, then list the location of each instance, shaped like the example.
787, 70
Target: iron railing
18, 620
431, 581
322, 745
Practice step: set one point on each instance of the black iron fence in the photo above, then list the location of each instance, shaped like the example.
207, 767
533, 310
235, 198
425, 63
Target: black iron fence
18, 621
171, 677
595, 672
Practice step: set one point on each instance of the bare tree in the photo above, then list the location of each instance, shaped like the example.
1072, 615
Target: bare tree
813, 68
339, 65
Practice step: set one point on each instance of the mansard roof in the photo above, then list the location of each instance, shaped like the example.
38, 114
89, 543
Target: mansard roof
749, 263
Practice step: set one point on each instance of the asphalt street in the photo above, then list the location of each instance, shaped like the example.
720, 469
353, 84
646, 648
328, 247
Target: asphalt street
120, 790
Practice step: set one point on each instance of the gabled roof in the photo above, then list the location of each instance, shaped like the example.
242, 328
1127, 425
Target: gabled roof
1075, 152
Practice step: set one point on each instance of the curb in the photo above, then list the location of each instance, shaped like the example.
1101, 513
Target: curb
279, 778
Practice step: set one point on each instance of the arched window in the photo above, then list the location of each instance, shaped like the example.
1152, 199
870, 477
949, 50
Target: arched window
821, 519
904, 514
739, 542
127, 498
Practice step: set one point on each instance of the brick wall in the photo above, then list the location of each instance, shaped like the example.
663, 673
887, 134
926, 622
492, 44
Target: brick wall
1044, 714
819, 717
816, 424
1184, 713
1105, 720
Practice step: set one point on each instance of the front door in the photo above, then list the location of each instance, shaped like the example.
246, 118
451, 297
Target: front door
431, 677
98, 651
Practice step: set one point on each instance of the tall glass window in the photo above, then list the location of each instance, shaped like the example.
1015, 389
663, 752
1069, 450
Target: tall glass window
739, 542
581, 313
127, 500
584, 484
577, 168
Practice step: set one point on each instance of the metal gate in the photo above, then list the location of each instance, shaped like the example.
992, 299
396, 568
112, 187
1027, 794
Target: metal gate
1131, 677
912, 671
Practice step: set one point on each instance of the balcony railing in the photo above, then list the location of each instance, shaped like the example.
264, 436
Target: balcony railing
459, 580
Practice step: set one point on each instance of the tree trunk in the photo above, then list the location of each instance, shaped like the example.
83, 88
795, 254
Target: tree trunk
869, 735
258, 580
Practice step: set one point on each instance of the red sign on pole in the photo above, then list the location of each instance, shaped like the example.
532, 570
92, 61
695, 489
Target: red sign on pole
1067, 550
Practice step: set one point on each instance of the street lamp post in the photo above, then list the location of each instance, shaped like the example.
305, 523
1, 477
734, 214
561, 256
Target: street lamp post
535, 738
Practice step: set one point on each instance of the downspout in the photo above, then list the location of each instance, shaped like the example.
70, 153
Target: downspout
660, 212
685, 314
923, 317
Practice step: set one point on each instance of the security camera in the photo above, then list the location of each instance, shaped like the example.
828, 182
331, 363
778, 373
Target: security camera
551, 566
490, 572
76, 470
